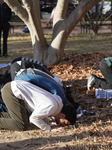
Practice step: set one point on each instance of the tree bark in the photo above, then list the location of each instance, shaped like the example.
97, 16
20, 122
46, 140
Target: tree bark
62, 26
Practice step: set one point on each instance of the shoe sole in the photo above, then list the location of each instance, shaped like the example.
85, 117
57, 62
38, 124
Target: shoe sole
90, 85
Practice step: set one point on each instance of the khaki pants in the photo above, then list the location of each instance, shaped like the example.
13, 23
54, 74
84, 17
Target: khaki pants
16, 118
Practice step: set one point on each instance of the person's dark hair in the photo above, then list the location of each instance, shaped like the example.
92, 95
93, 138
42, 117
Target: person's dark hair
70, 113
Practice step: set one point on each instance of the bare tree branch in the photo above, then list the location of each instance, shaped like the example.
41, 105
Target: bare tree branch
78, 13
17, 8
33, 9
60, 15
61, 9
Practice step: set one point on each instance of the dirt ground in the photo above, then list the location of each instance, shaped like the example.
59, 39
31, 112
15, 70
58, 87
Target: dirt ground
89, 132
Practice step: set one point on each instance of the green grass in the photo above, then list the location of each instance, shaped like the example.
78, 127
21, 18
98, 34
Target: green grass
81, 43
20, 44
86, 43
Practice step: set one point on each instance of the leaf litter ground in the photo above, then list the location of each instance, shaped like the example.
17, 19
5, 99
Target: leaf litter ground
90, 132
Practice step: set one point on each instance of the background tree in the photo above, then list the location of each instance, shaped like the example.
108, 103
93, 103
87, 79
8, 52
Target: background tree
99, 15
52, 53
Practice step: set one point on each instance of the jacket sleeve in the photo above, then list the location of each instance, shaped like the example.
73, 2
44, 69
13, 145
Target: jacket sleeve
40, 114
40, 123
109, 61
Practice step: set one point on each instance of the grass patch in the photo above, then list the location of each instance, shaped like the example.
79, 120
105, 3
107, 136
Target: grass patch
86, 43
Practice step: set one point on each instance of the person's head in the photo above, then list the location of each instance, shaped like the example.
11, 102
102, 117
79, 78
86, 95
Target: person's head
67, 115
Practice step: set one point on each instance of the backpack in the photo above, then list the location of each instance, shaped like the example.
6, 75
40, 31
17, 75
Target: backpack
24, 63
48, 83
42, 80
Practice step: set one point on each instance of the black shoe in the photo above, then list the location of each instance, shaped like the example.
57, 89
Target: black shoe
90, 82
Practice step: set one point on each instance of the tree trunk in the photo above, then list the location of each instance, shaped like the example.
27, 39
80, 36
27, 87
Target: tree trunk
62, 26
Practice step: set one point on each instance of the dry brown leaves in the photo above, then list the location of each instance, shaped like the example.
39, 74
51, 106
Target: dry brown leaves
74, 69
90, 132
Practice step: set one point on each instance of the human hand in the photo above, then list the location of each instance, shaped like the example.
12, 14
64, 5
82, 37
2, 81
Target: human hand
57, 129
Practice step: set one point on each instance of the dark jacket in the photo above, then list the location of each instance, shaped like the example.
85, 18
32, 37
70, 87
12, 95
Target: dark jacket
5, 13
109, 61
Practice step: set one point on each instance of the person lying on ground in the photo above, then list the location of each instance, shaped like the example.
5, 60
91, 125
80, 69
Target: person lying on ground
25, 70
28, 68
106, 70
21, 97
